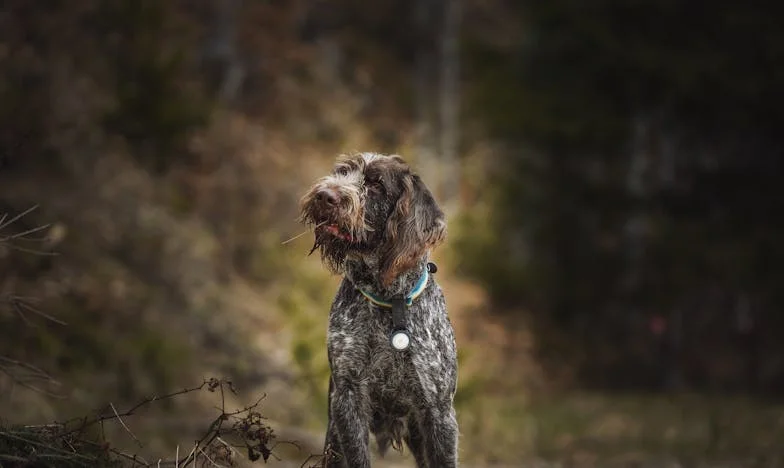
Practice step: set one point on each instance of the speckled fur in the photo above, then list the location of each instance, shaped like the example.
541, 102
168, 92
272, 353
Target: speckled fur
398, 396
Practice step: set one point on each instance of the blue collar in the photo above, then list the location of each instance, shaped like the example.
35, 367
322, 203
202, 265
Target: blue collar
419, 288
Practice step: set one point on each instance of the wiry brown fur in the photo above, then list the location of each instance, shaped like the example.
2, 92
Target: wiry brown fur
375, 222
411, 230
415, 226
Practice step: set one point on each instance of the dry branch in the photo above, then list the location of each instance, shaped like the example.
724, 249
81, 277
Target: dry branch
69, 442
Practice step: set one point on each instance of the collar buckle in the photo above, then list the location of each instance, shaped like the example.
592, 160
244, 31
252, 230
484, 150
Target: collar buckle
400, 338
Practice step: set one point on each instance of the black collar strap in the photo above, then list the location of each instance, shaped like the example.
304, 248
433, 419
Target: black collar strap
400, 339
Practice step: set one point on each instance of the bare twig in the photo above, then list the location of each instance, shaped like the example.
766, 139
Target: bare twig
188, 460
4, 224
30, 251
209, 459
23, 235
21, 305
23, 437
86, 423
124, 425
303, 233
25, 375
7, 240
136, 459
227, 445
294, 238
248, 429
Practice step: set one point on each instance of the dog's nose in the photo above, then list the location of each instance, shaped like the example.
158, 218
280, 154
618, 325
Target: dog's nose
327, 197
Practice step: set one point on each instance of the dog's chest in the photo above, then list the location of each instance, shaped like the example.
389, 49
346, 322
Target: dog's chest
359, 344
361, 354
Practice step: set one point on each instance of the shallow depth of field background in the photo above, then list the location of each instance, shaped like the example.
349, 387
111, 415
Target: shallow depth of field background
612, 173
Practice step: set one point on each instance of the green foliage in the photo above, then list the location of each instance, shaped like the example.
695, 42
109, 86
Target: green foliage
158, 104
569, 100
21, 113
622, 430
136, 56
684, 427
469, 387
472, 233
304, 304
95, 340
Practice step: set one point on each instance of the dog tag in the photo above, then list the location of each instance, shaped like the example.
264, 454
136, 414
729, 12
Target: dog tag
399, 339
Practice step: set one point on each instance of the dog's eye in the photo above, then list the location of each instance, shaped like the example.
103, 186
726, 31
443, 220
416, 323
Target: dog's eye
342, 171
375, 183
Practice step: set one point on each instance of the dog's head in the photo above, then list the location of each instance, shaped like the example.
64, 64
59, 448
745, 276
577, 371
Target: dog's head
373, 205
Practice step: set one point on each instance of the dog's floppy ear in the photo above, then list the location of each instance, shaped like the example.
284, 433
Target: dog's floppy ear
416, 225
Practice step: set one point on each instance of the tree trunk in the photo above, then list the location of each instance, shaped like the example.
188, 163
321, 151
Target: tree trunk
450, 101
226, 70
424, 83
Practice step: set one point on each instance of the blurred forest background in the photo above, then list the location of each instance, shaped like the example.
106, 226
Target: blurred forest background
612, 172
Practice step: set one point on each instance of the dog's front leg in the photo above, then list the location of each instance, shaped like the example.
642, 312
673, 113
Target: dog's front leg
439, 431
332, 450
349, 421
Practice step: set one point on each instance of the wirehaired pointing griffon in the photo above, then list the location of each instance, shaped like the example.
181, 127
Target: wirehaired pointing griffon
390, 343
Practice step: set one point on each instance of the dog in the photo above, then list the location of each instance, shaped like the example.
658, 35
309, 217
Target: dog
390, 343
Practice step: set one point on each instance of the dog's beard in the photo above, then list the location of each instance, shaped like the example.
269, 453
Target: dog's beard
338, 239
333, 250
